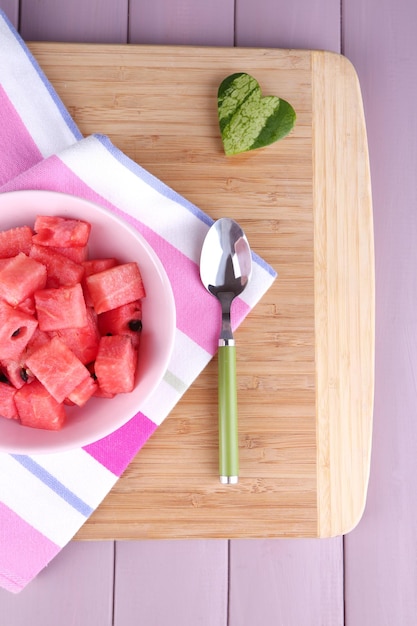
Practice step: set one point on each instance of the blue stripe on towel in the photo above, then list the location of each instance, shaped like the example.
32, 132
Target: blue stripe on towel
53, 484
260, 261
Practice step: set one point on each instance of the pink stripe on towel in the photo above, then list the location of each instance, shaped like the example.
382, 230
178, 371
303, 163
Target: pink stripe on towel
117, 450
15, 142
24, 551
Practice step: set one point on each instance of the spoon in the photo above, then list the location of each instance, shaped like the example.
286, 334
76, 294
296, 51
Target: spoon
225, 269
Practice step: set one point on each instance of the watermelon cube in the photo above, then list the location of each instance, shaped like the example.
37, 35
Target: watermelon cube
82, 341
77, 254
63, 307
124, 320
7, 402
100, 393
15, 240
93, 266
115, 286
57, 368
16, 329
20, 277
37, 408
61, 232
38, 339
60, 269
15, 369
116, 363
83, 392
16, 372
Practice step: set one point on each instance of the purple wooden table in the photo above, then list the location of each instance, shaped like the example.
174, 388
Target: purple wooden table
368, 577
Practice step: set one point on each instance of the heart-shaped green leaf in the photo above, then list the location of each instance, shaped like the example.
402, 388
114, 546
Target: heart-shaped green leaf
248, 120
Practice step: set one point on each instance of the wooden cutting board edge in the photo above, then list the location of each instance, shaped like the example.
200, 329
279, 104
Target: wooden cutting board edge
344, 294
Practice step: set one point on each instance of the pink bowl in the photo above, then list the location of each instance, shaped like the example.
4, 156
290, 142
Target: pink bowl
110, 236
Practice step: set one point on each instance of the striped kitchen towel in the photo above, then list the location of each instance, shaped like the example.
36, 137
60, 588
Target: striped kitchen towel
45, 499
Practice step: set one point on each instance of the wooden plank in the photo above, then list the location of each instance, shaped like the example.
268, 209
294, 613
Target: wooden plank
183, 22
280, 24
289, 582
107, 89
11, 8
380, 554
94, 21
167, 582
77, 588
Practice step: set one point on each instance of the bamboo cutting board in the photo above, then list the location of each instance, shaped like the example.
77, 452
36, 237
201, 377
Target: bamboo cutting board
306, 352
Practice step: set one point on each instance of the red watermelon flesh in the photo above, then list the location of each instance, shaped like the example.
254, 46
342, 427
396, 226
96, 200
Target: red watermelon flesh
82, 341
16, 329
100, 393
124, 320
37, 408
27, 306
38, 339
16, 372
7, 401
48, 336
61, 270
60, 232
57, 368
78, 254
83, 392
20, 278
15, 240
63, 307
116, 363
93, 266
115, 286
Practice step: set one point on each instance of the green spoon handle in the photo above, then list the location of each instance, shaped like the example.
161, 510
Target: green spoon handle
228, 423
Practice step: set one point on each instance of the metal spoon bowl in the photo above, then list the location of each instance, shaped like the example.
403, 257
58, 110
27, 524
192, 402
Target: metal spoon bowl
225, 270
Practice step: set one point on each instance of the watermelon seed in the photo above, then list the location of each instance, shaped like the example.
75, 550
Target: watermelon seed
135, 325
3, 378
19, 332
24, 375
